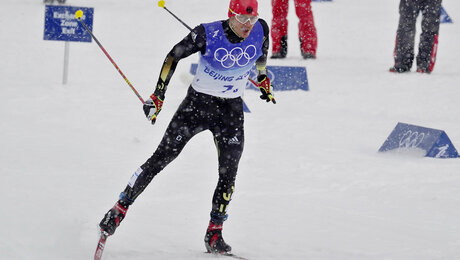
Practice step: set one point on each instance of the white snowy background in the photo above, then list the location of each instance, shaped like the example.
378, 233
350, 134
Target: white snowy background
311, 184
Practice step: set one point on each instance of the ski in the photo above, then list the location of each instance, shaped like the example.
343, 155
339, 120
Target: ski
235, 256
100, 246
228, 255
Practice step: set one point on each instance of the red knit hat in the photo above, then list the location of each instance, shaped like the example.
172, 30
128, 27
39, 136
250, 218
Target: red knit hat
248, 7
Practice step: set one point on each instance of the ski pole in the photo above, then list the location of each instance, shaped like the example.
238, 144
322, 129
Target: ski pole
78, 15
254, 82
161, 4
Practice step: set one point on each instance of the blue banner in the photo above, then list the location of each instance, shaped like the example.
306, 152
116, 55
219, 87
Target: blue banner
445, 18
285, 77
435, 143
61, 24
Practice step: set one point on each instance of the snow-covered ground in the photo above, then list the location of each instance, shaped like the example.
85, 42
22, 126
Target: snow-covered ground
311, 184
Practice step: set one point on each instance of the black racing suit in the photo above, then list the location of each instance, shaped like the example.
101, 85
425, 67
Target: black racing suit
404, 48
198, 112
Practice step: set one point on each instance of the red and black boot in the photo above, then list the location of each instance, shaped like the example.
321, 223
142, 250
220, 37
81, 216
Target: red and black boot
214, 241
112, 218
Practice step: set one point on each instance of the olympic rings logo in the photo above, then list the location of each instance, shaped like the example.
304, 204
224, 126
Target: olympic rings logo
411, 139
236, 55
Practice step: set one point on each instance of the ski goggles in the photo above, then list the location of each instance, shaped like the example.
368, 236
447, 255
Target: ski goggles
244, 18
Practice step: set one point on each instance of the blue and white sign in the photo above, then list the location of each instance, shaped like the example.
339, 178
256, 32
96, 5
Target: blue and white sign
61, 24
445, 18
434, 143
285, 78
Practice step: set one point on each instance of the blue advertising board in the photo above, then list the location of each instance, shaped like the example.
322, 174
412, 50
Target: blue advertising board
285, 77
61, 24
445, 18
435, 143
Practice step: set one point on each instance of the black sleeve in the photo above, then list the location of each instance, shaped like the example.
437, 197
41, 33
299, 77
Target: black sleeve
194, 42
262, 61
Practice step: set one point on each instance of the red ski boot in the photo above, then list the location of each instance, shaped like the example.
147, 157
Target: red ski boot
214, 241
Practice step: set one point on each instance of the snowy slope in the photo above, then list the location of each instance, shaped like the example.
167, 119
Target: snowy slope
311, 184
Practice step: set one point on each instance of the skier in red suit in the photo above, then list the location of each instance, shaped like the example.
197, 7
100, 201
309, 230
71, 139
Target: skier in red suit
307, 30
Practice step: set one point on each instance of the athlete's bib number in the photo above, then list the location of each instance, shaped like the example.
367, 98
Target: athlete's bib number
229, 88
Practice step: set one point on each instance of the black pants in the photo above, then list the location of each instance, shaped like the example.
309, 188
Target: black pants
404, 49
199, 112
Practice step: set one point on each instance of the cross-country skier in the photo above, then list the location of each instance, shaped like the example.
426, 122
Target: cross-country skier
228, 50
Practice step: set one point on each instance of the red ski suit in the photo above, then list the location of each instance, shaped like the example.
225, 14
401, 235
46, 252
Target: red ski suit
307, 30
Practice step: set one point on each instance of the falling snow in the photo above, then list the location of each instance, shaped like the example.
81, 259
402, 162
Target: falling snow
310, 185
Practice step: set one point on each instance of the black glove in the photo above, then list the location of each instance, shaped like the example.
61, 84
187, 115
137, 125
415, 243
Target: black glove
266, 88
152, 107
